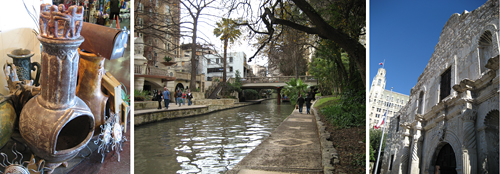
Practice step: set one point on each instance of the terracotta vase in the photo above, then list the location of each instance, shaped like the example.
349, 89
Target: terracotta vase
57, 124
22, 59
90, 72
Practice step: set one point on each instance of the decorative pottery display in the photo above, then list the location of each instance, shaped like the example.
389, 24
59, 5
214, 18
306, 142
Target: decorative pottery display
90, 72
22, 59
56, 124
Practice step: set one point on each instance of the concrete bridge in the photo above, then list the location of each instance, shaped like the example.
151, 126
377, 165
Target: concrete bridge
274, 83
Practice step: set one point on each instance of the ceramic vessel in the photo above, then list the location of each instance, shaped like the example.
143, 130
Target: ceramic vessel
56, 124
7, 120
22, 59
90, 72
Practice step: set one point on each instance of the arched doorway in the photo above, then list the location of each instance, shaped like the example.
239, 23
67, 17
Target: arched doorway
446, 160
179, 86
492, 123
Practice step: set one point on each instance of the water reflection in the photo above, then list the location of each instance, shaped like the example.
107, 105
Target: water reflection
212, 143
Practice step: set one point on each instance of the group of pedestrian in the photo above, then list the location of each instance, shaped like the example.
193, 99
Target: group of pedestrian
180, 97
307, 100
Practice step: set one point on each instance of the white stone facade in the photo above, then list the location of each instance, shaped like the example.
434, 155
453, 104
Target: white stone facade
235, 61
379, 99
452, 114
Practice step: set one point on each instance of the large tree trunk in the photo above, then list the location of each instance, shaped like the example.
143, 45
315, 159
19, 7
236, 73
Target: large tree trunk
192, 84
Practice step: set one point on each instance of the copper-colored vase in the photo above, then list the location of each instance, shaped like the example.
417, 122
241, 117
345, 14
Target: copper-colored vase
90, 72
57, 124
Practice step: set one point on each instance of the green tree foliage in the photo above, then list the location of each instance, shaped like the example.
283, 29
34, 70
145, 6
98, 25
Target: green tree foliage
251, 94
349, 111
375, 135
233, 87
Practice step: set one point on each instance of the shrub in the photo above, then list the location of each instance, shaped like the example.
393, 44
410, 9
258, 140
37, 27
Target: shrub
141, 95
349, 111
167, 58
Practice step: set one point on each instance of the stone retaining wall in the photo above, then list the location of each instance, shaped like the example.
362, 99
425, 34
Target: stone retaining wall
212, 106
154, 104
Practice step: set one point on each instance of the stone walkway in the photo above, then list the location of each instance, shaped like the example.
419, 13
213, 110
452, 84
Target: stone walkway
171, 106
293, 147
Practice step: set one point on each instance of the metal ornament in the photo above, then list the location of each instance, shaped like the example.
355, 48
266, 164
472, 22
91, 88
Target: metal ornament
21, 167
111, 136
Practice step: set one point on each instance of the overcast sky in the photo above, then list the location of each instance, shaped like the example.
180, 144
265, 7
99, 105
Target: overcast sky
206, 27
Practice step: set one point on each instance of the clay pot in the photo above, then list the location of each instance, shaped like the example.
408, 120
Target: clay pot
7, 120
90, 72
57, 124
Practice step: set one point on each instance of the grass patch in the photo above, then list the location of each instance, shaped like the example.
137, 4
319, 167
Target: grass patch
328, 101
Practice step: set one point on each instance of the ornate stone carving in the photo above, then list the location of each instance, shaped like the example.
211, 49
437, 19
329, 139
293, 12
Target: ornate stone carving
492, 63
55, 23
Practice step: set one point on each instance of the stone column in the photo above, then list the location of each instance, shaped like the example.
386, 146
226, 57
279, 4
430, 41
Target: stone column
417, 144
138, 83
469, 152
403, 166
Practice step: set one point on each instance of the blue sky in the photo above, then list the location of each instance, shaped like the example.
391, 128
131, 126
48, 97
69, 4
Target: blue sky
404, 33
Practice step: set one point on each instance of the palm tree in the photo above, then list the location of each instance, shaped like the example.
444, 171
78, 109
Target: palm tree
228, 31
294, 88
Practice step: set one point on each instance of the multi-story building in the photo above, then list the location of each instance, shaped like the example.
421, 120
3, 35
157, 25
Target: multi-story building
259, 70
381, 100
450, 124
213, 64
158, 22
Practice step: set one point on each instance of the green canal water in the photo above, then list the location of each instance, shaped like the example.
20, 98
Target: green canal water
212, 143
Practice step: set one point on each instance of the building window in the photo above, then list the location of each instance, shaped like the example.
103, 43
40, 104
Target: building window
216, 60
377, 115
230, 59
230, 69
485, 50
392, 161
208, 61
397, 126
420, 103
445, 87
379, 82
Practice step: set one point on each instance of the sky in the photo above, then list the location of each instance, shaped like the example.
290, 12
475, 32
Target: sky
210, 16
404, 33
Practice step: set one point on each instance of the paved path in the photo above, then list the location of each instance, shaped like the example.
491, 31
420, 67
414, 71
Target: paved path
293, 147
171, 106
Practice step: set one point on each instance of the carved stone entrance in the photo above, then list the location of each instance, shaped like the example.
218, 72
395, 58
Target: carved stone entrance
446, 160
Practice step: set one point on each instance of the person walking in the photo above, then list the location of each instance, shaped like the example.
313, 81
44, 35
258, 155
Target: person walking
189, 97
179, 97
166, 97
184, 98
300, 101
308, 103
158, 98
175, 96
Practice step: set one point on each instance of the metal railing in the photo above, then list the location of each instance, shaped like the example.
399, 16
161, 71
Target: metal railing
279, 79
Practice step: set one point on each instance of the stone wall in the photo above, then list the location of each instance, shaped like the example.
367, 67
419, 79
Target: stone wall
170, 114
210, 106
215, 102
469, 48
